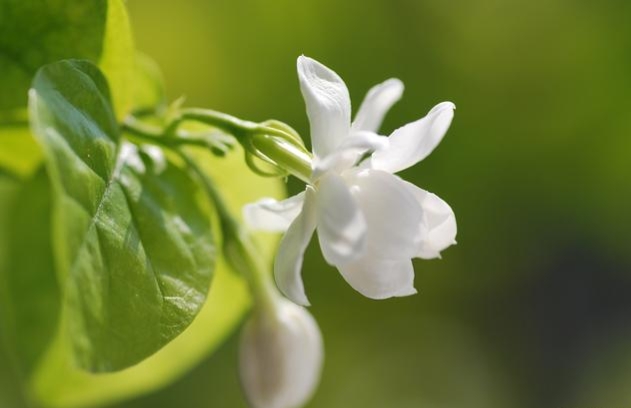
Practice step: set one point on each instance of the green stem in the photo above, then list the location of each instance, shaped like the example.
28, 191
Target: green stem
227, 123
155, 135
238, 247
272, 143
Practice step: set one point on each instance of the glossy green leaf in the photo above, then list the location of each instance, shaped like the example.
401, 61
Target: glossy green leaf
132, 241
58, 383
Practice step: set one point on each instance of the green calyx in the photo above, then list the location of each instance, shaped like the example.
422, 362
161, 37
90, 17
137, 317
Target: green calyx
279, 145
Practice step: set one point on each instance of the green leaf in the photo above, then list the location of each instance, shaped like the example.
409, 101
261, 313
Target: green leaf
117, 60
57, 383
10, 395
28, 276
35, 32
133, 244
9, 189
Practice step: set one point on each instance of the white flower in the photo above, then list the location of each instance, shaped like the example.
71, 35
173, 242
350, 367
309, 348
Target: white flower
370, 222
280, 356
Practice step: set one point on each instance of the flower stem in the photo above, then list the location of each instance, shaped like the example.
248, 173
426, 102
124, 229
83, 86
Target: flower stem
271, 142
238, 248
268, 141
155, 135
223, 121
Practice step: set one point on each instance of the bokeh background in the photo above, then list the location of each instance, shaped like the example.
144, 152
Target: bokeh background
532, 308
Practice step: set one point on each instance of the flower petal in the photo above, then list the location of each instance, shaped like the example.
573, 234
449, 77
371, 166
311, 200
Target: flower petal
341, 224
376, 104
415, 141
288, 263
364, 140
438, 229
271, 215
328, 105
391, 211
348, 153
379, 278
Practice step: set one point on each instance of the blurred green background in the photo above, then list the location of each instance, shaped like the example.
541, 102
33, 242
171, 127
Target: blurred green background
532, 308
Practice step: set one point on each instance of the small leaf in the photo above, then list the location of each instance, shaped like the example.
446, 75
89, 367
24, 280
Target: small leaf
134, 248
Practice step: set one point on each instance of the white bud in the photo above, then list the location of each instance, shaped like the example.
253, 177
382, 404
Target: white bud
280, 356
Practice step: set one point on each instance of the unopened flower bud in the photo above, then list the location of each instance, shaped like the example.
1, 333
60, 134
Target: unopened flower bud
281, 356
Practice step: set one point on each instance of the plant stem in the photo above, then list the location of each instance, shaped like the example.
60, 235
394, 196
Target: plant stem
155, 135
238, 247
270, 142
228, 123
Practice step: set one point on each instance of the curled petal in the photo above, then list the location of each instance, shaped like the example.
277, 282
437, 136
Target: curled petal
271, 215
379, 278
280, 357
341, 224
328, 105
348, 153
438, 229
391, 211
288, 263
376, 104
363, 140
415, 141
